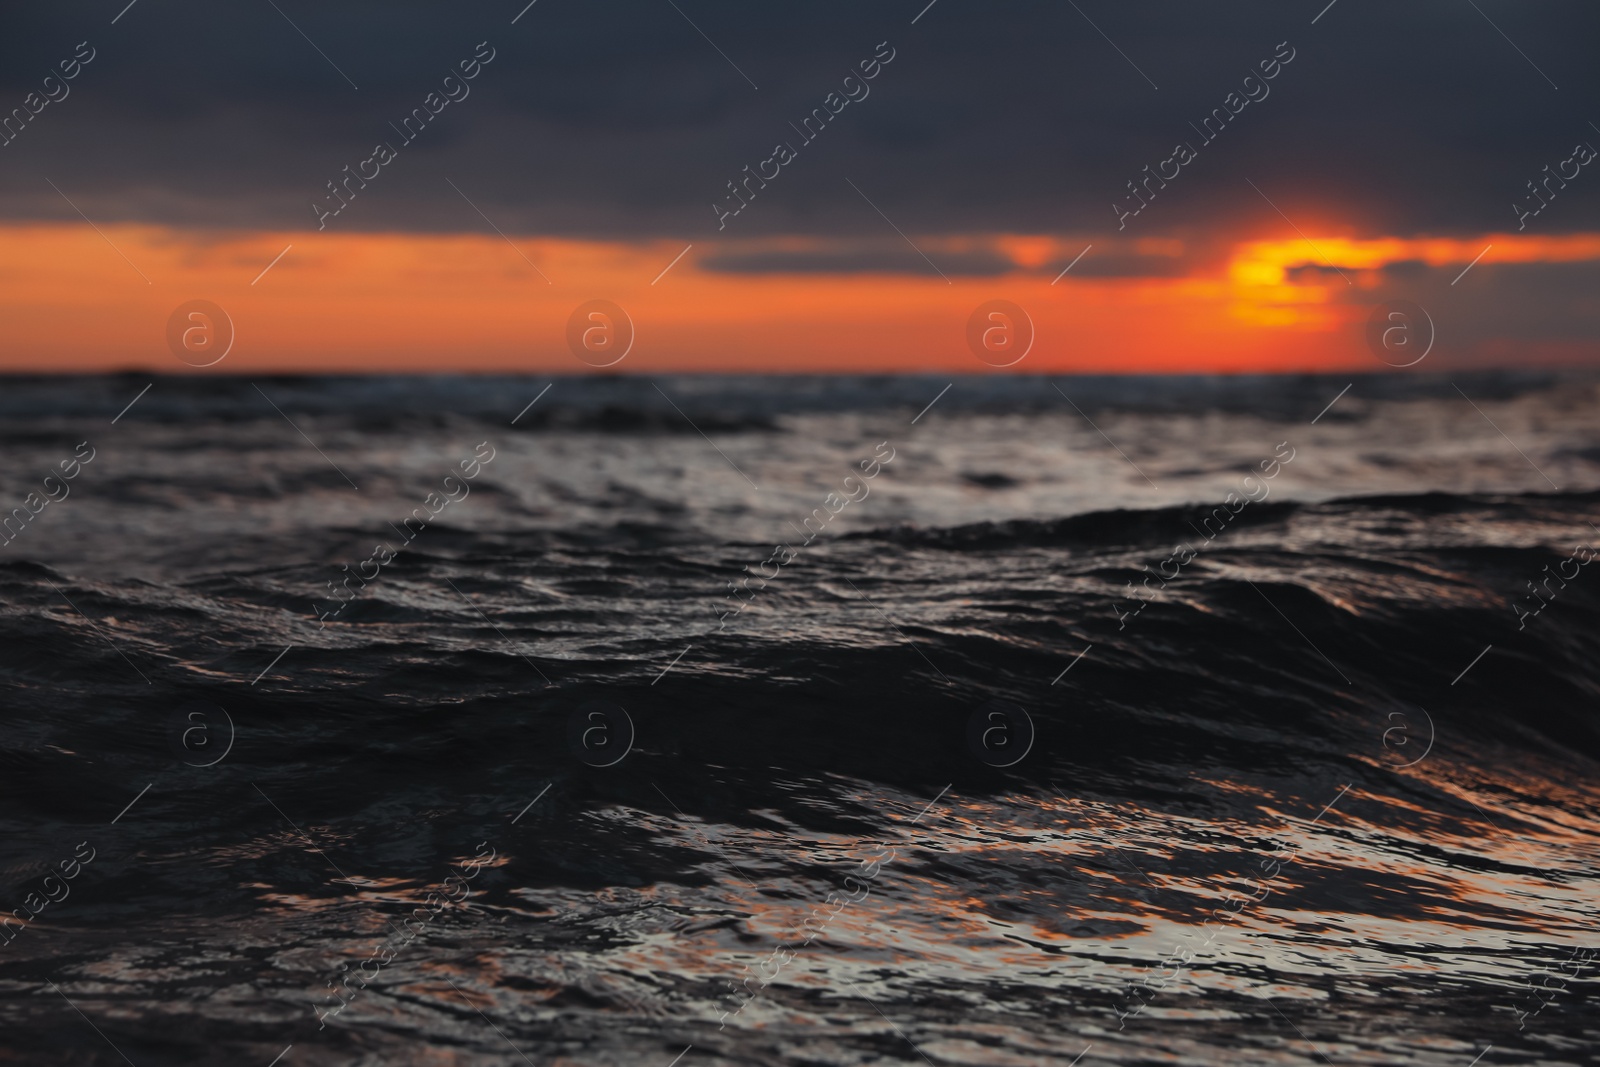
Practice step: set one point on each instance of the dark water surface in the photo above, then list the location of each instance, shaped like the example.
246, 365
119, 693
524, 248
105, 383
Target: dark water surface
1320, 790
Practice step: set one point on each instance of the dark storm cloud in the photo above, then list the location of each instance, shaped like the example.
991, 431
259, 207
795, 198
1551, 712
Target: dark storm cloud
881, 258
1131, 266
967, 255
622, 120
1524, 301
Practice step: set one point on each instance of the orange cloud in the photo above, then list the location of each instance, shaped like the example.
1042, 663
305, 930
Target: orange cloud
75, 299
1266, 293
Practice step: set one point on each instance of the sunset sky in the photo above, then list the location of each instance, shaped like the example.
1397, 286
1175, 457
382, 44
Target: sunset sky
1369, 156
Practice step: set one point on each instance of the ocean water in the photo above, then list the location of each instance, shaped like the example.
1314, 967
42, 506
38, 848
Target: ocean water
829, 721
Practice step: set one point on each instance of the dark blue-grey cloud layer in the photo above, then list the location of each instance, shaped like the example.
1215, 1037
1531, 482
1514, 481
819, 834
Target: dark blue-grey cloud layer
622, 120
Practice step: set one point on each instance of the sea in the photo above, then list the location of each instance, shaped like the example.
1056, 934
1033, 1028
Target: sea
817, 720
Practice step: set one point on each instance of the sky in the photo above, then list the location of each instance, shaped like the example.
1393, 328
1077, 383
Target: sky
1162, 187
